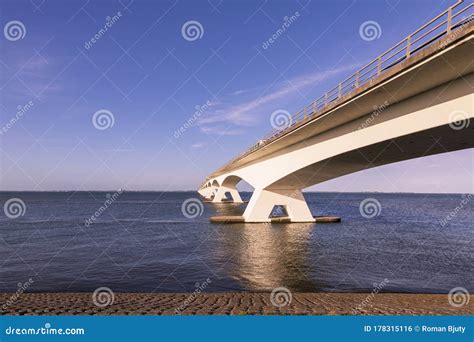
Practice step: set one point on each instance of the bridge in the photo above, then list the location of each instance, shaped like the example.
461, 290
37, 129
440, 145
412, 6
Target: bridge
414, 100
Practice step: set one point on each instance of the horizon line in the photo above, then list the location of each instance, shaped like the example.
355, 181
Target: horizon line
247, 191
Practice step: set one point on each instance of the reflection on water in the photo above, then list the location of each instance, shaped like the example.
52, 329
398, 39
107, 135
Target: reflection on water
262, 252
144, 243
265, 252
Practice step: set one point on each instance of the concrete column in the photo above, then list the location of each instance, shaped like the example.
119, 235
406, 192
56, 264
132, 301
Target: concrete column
264, 200
208, 192
220, 194
203, 192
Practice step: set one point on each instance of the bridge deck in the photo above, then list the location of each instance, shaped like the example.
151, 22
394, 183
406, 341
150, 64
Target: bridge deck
446, 29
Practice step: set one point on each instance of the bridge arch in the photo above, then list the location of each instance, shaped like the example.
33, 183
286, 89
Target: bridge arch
228, 189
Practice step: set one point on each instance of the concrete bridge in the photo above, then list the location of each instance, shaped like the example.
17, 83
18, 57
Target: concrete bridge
414, 100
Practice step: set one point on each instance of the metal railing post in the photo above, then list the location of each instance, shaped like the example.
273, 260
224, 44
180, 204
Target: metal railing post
450, 18
340, 89
379, 62
408, 46
357, 79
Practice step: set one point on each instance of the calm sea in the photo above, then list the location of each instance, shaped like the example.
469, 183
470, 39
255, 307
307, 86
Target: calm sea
142, 242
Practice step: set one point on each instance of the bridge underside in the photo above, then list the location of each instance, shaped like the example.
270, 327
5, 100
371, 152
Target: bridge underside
421, 144
430, 142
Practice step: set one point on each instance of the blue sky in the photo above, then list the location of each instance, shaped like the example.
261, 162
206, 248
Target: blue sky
151, 79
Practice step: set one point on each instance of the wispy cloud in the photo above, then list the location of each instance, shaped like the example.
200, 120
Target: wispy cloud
31, 78
198, 145
247, 113
34, 65
221, 129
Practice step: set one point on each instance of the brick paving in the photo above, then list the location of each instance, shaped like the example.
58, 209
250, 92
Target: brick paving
232, 304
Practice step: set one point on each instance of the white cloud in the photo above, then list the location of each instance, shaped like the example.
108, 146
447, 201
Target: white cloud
247, 113
221, 130
198, 145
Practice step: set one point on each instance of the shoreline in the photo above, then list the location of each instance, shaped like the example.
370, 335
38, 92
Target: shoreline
230, 303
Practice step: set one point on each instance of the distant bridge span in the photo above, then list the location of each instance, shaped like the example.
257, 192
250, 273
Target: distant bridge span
414, 100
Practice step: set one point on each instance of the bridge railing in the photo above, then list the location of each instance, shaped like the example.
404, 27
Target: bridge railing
446, 23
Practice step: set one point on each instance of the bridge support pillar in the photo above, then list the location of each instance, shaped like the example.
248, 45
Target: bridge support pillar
208, 192
203, 192
222, 190
264, 200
